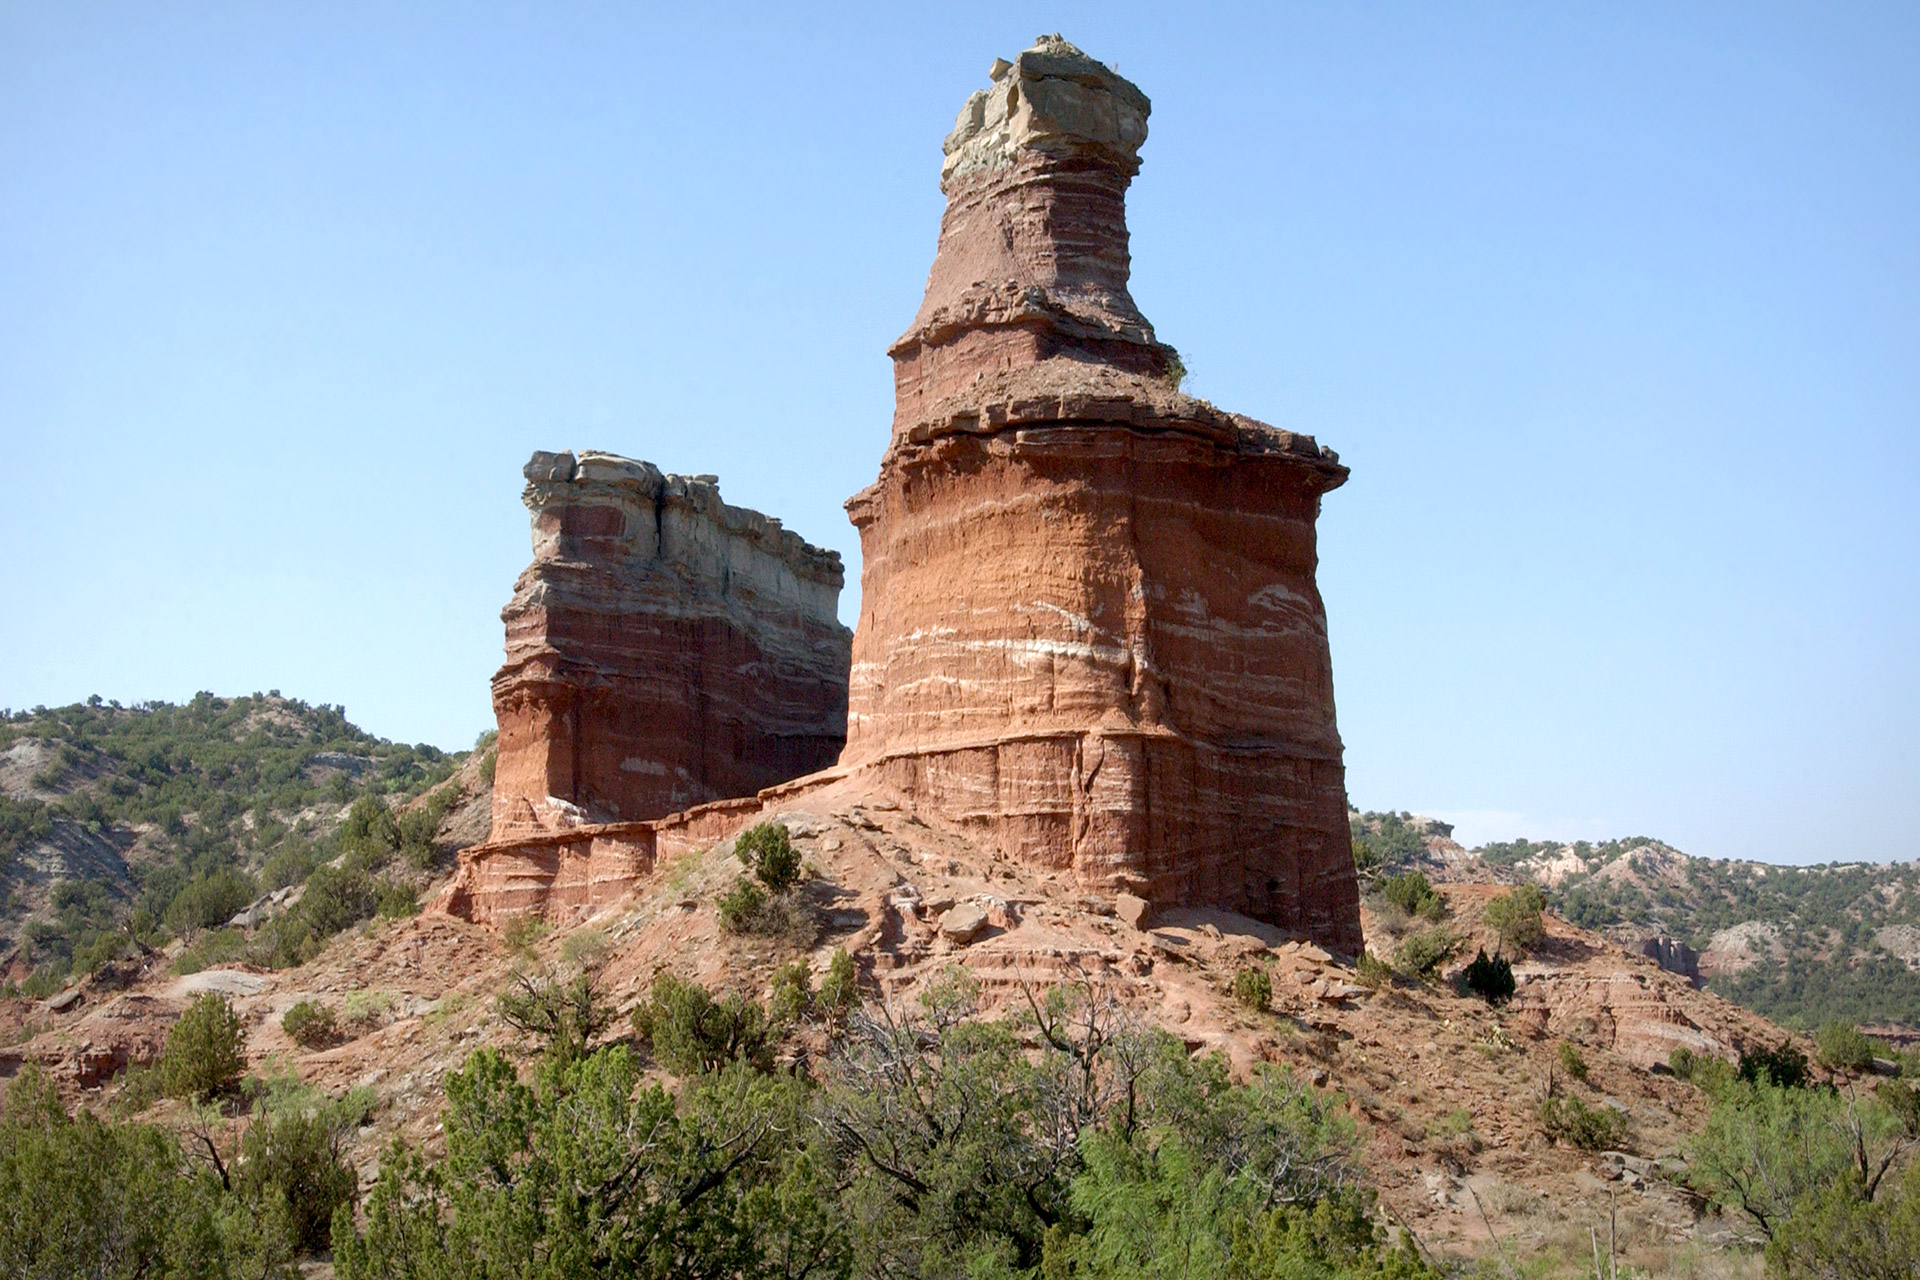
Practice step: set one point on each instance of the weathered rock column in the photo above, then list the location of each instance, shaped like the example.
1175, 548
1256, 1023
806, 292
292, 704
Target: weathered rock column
1089, 629
663, 650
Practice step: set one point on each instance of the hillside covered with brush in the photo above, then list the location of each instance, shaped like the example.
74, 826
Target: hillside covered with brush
1803, 946
122, 828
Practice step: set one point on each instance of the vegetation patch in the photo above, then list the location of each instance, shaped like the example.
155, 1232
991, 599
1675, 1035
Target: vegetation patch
1489, 977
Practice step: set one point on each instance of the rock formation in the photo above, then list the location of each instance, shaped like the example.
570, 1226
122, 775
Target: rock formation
664, 650
1089, 633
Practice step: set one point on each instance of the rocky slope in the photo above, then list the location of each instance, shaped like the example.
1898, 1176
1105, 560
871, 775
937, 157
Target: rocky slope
164, 817
1446, 1089
1803, 944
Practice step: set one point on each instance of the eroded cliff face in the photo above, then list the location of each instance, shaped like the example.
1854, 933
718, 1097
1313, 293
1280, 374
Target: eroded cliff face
663, 650
1090, 634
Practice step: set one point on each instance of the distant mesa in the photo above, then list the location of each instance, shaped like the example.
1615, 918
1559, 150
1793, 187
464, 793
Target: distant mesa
1090, 638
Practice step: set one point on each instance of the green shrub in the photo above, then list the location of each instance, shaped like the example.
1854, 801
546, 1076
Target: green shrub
585, 948
209, 902
371, 834
565, 1014
1903, 1100
291, 863
291, 1172
311, 1024
1565, 1118
99, 951
1425, 950
839, 992
1766, 1150
690, 1033
1366, 861
1784, 1067
749, 909
1835, 1231
365, 1010
1490, 978
768, 851
417, 828
1371, 971
1253, 989
393, 900
81, 1197
522, 931
740, 907
336, 898
792, 997
1516, 917
1572, 1061
1708, 1072
215, 946
1411, 892
1843, 1046
205, 1053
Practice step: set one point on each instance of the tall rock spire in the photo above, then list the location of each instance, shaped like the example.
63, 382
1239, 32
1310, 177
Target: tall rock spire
1089, 633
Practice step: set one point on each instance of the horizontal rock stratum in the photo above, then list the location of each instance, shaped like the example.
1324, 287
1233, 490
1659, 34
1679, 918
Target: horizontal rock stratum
1090, 634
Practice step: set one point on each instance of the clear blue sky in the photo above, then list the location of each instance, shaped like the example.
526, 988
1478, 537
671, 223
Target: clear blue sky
1613, 309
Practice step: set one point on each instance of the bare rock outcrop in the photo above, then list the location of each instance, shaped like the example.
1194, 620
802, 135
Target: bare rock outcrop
1090, 635
664, 650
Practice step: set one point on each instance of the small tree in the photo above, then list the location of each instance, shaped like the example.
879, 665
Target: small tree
291, 1171
566, 1015
691, 1033
205, 1053
741, 906
840, 990
1412, 893
311, 1025
792, 997
1490, 978
1366, 861
1567, 1119
1516, 917
1572, 1061
768, 851
1425, 950
1784, 1067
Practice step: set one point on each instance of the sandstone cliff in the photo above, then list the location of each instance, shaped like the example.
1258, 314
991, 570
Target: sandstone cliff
663, 650
1090, 635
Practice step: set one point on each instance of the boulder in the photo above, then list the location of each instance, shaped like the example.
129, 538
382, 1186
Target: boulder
964, 923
